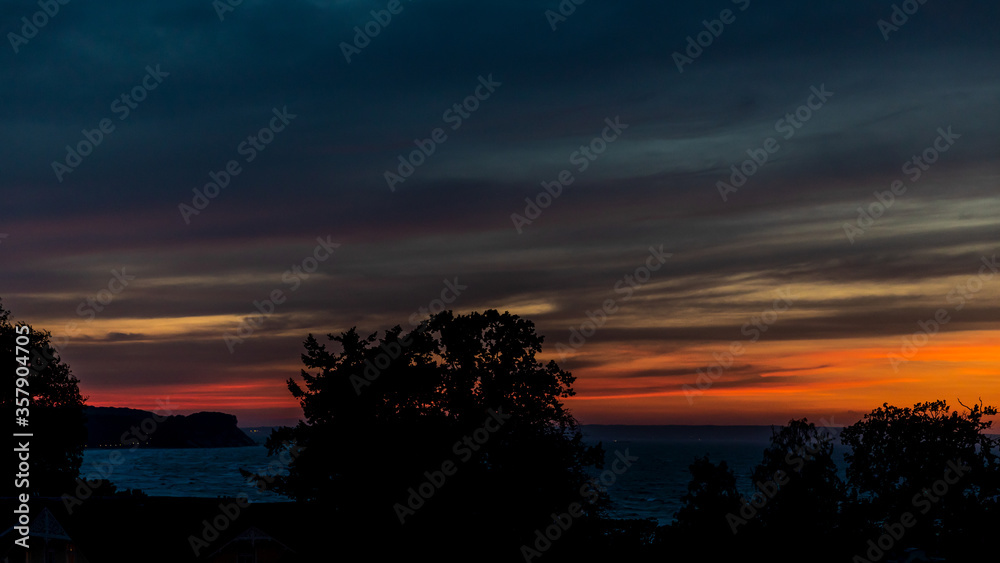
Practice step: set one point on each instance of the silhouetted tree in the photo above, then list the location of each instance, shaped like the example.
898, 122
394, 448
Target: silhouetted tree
703, 525
55, 409
798, 492
382, 416
901, 461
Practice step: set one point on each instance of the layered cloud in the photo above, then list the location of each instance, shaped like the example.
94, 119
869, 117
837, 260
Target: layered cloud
861, 283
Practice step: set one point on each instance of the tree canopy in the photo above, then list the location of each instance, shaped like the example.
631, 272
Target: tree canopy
938, 464
383, 414
56, 409
919, 480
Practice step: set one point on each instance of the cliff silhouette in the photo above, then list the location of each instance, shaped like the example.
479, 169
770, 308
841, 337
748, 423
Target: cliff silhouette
113, 427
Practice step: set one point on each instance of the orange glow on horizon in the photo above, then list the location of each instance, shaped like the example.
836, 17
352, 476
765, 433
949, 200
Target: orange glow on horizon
784, 378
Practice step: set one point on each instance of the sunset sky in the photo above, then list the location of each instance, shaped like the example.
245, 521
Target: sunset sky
869, 100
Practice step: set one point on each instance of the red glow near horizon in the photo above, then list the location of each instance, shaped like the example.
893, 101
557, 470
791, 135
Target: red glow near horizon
853, 379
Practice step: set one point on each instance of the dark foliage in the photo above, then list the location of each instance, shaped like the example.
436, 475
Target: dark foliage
55, 407
383, 413
930, 467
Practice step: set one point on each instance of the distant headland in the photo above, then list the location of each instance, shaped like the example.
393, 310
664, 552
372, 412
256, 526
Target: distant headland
113, 427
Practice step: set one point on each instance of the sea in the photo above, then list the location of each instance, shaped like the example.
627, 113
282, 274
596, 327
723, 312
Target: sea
651, 487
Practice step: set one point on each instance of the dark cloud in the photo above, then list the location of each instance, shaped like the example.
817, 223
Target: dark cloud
324, 174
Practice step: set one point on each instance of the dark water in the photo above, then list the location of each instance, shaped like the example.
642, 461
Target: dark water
192, 472
651, 488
